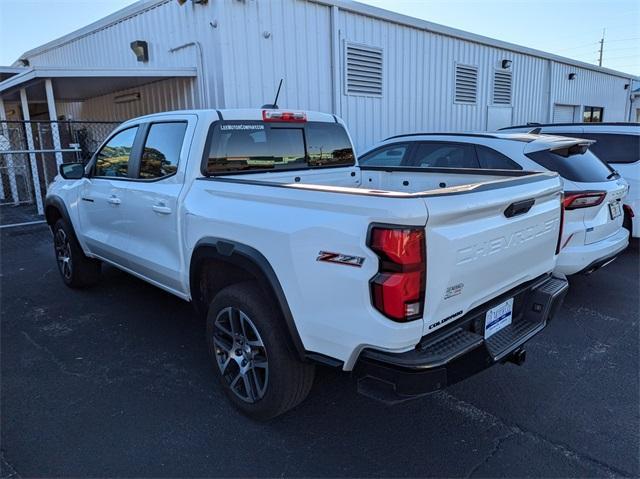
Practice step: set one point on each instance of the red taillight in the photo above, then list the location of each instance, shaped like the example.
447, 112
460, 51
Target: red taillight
284, 116
559, 244
585, 199
398, 289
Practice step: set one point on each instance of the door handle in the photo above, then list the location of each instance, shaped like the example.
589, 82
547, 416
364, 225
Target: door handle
161, 208
114, 200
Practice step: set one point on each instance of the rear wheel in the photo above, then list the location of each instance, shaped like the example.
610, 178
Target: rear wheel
252, 355
76, 269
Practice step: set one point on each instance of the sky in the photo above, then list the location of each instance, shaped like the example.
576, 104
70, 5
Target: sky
570, 28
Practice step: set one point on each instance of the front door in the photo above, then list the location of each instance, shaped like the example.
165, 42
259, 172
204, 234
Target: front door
102, 195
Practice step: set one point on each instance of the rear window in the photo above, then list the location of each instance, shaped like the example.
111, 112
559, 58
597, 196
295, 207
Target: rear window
612, 148
252, 146
574, 164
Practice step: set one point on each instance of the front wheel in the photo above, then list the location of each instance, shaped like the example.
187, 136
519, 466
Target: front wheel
76, 269
252, 354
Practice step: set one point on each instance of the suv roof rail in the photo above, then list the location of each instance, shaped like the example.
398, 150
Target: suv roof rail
605, 123
474, 135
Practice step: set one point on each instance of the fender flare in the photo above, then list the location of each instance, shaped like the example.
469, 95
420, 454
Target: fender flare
252, 261
57, 203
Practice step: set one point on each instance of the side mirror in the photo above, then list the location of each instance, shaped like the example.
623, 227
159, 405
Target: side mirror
72, 171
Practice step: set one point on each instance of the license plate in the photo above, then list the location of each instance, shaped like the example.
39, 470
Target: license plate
498, 318
614, 209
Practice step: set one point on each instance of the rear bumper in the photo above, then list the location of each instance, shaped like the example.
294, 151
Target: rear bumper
579, 259
460, 350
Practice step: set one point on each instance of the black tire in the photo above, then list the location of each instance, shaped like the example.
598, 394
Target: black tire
76, 269
281, 380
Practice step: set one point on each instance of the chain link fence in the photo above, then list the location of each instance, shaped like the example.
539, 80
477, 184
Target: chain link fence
30, 152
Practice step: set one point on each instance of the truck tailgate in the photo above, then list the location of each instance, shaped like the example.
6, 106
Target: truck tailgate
479, 245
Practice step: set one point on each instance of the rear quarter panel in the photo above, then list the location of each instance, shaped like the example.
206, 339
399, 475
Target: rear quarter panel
330, 303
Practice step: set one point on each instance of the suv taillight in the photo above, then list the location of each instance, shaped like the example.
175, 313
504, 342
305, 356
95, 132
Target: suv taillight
576, 199
559, 243
397, 290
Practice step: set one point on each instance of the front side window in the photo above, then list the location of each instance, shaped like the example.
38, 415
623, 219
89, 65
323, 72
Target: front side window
593, 114
445, 155
258, 146
161, 151
391, 155
113, 158
576, 163
492, 159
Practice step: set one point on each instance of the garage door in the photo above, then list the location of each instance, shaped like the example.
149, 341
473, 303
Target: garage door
563, 113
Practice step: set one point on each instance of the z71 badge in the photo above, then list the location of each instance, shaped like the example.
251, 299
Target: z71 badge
340, 258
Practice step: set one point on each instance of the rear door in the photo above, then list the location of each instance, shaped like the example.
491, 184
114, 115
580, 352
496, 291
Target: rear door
487, 240
150, 213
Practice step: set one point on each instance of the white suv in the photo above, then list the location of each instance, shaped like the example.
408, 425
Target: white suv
616, 143
593, 234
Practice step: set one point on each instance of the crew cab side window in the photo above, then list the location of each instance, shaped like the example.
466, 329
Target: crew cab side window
390, 155
444, 155
113, 159
492, 159
161, 152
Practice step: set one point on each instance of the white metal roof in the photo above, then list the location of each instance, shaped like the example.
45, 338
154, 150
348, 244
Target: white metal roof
347, 5
103, 80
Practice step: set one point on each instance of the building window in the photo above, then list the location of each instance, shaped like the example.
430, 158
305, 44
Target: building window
593, 114
466, 84
363, 70
502, 87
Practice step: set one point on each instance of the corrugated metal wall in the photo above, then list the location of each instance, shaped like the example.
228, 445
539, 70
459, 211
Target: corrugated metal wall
247, 46
419, 82
165, 95
591, 88
164, 26
264, 41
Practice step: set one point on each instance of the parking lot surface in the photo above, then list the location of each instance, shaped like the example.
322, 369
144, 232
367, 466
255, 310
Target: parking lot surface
115, 381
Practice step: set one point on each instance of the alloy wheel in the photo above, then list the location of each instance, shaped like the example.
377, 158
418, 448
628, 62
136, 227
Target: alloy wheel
63, 253
241, 355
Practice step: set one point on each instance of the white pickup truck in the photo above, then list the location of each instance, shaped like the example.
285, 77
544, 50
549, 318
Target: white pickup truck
297, 256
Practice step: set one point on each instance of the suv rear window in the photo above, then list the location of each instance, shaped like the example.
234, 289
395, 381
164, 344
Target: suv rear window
612, 148
574, 164
253, 146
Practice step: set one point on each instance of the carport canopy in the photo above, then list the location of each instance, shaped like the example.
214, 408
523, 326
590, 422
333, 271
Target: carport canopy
79, 84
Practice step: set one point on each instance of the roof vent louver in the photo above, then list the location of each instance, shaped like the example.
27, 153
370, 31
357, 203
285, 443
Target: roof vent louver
466, 84
502, 88
363, 70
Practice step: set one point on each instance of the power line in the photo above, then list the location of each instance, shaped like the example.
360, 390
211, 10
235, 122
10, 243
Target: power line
625, 39
580, 46
622, 48
625, 56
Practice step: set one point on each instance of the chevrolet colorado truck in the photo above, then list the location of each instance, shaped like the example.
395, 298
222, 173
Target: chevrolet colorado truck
296, 256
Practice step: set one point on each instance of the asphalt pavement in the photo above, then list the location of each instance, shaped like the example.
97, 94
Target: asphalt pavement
115, 381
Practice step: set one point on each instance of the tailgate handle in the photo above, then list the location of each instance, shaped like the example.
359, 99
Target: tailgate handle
519, 208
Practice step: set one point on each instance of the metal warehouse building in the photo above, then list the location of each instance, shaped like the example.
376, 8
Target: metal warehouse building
384, 73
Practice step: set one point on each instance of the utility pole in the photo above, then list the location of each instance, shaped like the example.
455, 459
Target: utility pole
601, 49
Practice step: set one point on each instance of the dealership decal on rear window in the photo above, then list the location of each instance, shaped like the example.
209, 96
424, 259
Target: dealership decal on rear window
242, 127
